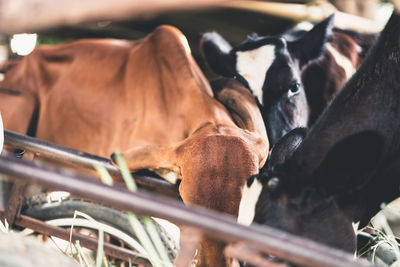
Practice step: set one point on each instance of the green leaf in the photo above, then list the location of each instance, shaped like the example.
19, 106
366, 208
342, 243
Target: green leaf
126, 174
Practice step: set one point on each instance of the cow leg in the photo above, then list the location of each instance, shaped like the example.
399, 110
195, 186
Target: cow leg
211, 253
189, 241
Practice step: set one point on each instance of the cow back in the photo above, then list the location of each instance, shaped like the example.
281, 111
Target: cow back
98, 95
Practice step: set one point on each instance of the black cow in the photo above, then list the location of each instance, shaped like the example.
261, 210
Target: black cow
348, 163
275, 68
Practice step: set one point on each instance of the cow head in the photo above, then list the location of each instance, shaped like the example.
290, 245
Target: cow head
271, 68
320, 204
214, 161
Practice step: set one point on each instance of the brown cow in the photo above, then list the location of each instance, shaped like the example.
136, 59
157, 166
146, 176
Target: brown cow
150, 100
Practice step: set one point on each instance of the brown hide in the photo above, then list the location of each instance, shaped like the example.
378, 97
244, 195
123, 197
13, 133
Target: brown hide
324, 77
349, 49
18, 107
150, 100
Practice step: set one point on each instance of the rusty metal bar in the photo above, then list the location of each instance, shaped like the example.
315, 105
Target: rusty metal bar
16, 195
76, 158
14, 203
268, 240
22, 16
85, 241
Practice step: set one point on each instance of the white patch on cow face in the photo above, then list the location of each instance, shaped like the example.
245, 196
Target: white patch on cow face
247, 206
342, 61
253, 66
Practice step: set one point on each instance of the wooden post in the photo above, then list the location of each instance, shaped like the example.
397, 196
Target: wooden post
313, 13
362, 8
28, 16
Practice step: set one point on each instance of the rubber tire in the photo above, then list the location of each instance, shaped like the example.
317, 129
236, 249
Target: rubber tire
40, 208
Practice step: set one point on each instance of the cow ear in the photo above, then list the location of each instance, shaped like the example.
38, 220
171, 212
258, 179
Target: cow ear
351, 163
312, 43
286, 146
216, 51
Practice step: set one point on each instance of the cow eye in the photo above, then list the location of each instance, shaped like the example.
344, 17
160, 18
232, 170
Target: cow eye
294, 89
273, 183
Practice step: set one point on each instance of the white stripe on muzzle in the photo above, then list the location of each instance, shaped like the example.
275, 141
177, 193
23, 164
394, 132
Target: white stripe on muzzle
247, 206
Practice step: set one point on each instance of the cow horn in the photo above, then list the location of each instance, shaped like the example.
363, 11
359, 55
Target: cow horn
242, 106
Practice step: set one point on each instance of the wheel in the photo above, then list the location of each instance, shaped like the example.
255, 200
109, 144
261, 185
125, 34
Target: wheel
58, 208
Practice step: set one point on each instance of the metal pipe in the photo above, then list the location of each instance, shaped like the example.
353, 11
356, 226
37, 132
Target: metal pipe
268, 240
85, 241
14, 203
81, 159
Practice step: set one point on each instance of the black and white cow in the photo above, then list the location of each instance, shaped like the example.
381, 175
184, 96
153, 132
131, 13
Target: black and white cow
285, 71
347, 164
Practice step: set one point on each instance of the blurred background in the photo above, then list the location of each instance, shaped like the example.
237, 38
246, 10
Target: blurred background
234, 20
